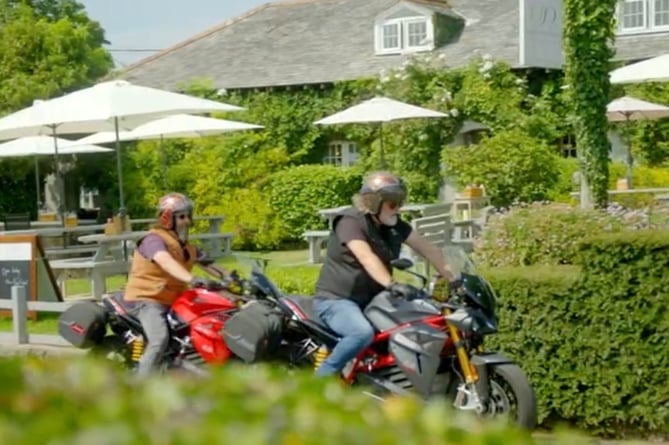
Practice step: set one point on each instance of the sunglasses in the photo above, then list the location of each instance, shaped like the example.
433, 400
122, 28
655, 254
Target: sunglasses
393, 205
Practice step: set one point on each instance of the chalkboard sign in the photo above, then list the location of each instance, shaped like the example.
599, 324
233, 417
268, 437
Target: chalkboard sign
23, 263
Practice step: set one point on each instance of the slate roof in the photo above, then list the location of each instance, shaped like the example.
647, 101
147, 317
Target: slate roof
313, 41
302, 42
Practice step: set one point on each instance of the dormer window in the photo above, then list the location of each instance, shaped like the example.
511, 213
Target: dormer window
404, 35
404, 28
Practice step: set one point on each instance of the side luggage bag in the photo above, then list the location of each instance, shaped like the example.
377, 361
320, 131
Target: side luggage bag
254, 332
83, 324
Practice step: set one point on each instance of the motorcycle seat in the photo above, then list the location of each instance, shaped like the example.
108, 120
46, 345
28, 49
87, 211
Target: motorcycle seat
306, 306
122, 305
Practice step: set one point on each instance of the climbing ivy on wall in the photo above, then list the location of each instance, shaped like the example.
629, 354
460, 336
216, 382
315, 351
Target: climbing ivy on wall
589, 30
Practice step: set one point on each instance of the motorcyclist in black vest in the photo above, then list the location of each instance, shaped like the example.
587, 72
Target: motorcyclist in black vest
363, 242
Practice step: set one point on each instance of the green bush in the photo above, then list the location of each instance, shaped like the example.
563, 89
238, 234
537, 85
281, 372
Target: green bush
250, 218
542, 233
81, 401
511, 165
296, 194
594, 343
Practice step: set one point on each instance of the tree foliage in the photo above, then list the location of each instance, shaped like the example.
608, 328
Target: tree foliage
47, 47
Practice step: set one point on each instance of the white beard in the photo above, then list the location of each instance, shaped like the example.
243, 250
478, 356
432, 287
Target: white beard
389, 221
182, 234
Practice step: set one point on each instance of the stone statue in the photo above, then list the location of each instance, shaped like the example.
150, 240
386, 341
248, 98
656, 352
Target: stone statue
52, 193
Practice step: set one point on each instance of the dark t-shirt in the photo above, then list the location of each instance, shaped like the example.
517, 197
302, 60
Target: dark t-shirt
152, 244
348, 229
342, 275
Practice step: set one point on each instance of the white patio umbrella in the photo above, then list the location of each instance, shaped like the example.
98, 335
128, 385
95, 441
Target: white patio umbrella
379, 110
109, 106
655, 69
44, 146
627, 109
175, 126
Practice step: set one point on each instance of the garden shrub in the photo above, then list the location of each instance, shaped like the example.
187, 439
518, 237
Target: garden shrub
296, 194
546, 233
43, 400
512, 166
249, 216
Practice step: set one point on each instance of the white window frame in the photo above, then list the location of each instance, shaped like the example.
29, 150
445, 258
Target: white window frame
382, 36
428, 40
347, 157
648, 26
403, 25
652, 19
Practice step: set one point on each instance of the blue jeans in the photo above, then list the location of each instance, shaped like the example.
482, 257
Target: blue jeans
346, 319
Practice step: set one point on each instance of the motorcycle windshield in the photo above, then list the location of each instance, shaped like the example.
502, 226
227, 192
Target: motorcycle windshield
254, 266
478, 289
458, 261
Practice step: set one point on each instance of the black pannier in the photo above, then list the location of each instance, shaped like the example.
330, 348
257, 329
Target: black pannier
254, 333
83, 324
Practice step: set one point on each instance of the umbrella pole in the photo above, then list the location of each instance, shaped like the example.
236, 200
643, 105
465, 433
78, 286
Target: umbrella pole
630, 161
37, 183
119, 170
163, 161
382, 160
60, 187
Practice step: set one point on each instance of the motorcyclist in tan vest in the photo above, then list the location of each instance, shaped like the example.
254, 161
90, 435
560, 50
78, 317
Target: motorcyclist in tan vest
161, 271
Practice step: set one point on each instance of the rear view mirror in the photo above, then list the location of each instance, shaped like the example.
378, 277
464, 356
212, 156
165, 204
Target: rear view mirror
402, 263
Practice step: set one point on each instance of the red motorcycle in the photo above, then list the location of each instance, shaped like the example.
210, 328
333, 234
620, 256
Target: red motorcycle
195, 320
430, 344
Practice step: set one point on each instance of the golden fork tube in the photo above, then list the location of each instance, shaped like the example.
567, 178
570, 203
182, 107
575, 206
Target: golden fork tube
468, 370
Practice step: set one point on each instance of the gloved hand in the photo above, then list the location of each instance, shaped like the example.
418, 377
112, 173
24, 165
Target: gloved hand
454, 285
403, 290
205, 283
234, 283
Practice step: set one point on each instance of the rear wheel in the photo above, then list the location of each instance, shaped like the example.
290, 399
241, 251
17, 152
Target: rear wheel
114, 349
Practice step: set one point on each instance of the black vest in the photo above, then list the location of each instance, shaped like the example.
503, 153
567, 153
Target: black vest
342, 276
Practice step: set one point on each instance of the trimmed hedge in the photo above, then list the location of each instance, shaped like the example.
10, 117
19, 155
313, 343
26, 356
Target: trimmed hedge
84, 402
296, 194
594, 343
592, 337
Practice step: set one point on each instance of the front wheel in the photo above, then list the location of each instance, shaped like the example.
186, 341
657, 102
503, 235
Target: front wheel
511, 394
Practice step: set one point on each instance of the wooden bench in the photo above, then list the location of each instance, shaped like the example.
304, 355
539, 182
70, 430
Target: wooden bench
64, 251
315, 239
215, 245
435, 228
97, 271
16, 221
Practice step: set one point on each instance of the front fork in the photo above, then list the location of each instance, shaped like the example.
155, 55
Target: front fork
475, 388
